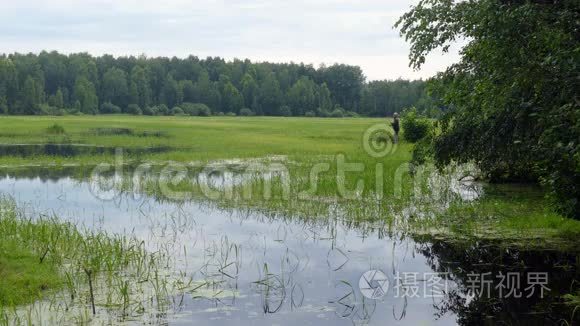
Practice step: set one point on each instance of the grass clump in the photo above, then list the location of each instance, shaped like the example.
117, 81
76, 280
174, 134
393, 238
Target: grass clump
46, 261
23, 278
55, 129
111, 131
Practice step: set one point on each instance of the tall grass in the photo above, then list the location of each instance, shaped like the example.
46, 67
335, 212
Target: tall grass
54, 272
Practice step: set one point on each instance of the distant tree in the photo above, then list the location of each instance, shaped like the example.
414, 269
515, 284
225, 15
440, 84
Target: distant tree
171, 93
32, 96
270, 96
250, 90
302, 96
8, 82
58, 99
114, 87
140, 92
150, 82
86, 96
232, 100
324, 98
207, 91
188, 90
345, 84
82, 65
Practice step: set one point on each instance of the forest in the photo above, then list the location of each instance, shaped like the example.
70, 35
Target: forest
51, 83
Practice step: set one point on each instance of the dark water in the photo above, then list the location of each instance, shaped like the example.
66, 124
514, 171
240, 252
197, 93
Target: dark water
313, 268
70, 150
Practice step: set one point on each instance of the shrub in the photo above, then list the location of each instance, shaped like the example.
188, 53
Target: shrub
46, 109
322, 113
203, 110
285, 111
220, 114
60, 112
177, 111
206, 112
351, 114
150, 110
231, 114
337, 113
196, 109
246, 112
134, 109
109, 107
310, 114
163, 110
55, 129
415, 126
189, 108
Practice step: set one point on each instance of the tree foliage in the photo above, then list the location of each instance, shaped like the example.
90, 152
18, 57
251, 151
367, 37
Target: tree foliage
512, 100
415, 126
85, 83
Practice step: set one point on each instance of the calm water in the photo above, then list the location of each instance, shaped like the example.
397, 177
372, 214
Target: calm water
313, 268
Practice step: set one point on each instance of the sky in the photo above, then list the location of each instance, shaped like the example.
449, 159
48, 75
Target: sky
356, 32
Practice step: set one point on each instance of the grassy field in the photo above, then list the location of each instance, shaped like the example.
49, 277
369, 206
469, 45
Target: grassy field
303, 143
194, 139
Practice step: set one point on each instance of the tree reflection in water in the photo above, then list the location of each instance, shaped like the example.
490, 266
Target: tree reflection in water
456, 261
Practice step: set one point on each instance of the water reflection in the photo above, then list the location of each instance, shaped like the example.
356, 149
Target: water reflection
252, 268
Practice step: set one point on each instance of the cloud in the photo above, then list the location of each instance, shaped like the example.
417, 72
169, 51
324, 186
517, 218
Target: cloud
325, 31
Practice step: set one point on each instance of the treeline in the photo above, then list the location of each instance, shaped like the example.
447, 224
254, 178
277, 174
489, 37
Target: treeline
53, 83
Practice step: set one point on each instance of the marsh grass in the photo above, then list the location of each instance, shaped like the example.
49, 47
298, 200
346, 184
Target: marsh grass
521, 218
77, 276
195, 141
22, 277
55, 129
56, 273
117, 131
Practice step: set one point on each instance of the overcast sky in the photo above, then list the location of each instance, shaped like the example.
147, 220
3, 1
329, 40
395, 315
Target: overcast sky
357, 32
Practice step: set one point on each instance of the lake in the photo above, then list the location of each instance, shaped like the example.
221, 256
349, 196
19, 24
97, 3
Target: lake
271, 269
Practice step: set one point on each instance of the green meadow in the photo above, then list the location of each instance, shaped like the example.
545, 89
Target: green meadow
302, 143
194, 138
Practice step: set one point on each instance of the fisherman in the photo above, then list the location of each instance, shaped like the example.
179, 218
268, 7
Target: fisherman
396, 126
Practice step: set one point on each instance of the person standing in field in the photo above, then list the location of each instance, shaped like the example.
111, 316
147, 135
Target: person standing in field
396, 126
